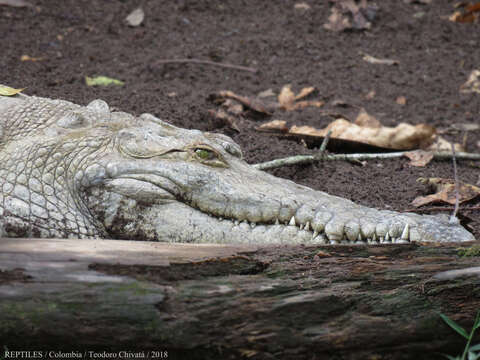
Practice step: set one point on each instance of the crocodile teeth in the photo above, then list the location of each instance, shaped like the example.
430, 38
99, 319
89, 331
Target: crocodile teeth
381, 230
320, 219
352, 230
334, 230
252, 225
307, 226
292, 221
405, 233
387, 237
236, 222
277, 222
301, 226
359, 238
315, 234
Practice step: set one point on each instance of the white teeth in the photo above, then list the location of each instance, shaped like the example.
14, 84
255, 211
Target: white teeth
405, 233
315, 234
387, 237
352, 230
277, 222
359, 238
334, 229
252, 225
374, 238
381, 229
237, 222
320, 219
292, 221
307, 226
301, 226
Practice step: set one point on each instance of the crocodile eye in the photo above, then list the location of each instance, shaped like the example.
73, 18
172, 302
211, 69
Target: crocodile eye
205, 154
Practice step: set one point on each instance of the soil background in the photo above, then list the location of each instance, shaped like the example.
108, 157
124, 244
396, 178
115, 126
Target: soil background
74, 39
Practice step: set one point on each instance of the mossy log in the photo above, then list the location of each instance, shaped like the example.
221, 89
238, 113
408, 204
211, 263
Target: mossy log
93, 297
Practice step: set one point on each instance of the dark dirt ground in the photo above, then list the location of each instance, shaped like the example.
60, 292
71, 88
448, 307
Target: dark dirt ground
78, 38
288, 46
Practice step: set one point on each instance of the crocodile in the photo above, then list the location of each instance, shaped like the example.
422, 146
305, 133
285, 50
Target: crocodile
72, 171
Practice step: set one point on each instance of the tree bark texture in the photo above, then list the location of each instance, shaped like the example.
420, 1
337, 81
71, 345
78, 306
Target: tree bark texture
236, 302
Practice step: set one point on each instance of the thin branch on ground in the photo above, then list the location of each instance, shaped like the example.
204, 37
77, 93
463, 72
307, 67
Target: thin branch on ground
323, 146
441, 208
309, 159
453, 218
205, 62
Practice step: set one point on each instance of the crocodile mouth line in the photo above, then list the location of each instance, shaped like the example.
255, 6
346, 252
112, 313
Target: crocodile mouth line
307, 233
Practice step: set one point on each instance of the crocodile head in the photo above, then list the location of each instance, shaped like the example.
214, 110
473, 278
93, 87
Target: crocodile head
143, 178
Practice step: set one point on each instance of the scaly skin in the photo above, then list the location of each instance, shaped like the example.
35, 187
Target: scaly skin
85, 172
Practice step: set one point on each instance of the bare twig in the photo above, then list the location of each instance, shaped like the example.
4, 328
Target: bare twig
440, 208
308, 159
453, 218
323, 146
205, 62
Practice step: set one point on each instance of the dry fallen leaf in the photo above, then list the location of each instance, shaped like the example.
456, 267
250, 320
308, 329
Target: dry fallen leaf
349, 15
402, 137
233, 107
374, 60
366, 120
302, 6
8, 91
274, 126
224, 118
470, 13
29, 58
472, 84
252, 103
266, 93
401, 100
337, 22
304, 92
288, 100
15, 3
371, 94
135, 18
440, 144
419, 157
445, 191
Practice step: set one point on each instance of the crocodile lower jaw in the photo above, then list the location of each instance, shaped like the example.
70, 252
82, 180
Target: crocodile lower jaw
303, 233
178, 222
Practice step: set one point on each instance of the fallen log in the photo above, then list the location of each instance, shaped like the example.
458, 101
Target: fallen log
126, 299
